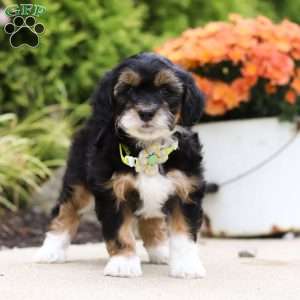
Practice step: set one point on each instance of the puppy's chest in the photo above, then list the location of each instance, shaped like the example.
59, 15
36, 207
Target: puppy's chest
146, 195
154, 191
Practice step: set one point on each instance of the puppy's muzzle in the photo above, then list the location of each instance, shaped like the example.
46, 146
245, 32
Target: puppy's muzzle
146, 115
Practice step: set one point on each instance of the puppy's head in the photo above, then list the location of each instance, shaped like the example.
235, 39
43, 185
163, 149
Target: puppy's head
147, 96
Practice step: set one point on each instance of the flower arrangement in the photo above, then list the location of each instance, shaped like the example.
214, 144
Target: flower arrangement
246, 67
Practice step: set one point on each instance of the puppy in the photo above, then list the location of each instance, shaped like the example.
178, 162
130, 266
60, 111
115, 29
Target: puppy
137, 159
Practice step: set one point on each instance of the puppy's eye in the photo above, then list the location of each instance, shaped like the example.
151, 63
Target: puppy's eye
124, 89
165, 91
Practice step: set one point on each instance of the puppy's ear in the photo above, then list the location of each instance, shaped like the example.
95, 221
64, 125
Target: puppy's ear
102, 104
192, 103
102, 99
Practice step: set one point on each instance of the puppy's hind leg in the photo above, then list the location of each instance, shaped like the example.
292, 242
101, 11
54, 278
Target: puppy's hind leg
73, 201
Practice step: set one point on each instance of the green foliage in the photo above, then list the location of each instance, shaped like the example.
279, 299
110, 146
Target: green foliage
20, 170
286, 9
172, 17
30, 148
82, 40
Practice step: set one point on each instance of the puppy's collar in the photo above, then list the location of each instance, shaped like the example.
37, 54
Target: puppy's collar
149, 158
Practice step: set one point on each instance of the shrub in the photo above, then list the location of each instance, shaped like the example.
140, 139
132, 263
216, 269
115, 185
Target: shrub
246, 67
82, 39
20, 169
287, 9
30, 148
169, 18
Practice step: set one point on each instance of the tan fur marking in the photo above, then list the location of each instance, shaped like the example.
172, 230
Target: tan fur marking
153, 231
121, 184
177, 221
184, 185
167, 77
129, 77
177, 117
68, 217
81, 198
125, 243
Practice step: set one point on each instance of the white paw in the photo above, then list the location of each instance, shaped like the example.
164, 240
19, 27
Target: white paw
123, 266
184, 258
53, 249
187, 267
159, 254
50, 255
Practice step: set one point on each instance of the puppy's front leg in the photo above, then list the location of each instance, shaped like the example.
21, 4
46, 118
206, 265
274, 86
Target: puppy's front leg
73, 201
119, 239
185, 221
153, 232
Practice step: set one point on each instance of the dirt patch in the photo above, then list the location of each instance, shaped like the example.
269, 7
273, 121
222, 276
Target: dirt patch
26, 228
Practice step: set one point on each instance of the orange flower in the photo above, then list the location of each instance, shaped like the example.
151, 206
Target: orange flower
291, 97
250, 69
204, 84
236, 54
242, 87
215, 108
270, 88
226, 93
296, 54
260, 48
296, 85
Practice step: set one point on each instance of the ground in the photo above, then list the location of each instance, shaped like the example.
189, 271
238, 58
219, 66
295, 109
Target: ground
273, 274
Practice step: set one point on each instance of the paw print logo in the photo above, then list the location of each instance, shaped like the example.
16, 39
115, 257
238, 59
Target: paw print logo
24, 31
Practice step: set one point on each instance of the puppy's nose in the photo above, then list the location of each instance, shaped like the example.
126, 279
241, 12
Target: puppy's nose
146, 115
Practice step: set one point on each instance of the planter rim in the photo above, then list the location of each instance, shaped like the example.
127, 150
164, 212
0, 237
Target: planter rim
246, 120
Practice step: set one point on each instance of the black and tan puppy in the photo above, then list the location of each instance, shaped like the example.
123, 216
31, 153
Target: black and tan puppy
137, 158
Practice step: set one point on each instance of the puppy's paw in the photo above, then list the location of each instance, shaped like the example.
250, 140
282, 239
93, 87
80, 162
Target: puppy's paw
50, 255
187, 267
53, 249
158, 254
123, 266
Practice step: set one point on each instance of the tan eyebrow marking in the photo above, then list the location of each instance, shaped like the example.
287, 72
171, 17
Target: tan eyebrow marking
128, 76
167, 77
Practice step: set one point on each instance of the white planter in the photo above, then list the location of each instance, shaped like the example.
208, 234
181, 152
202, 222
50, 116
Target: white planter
263, 202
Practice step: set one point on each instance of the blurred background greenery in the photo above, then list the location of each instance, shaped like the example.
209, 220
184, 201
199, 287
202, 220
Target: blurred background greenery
44, 91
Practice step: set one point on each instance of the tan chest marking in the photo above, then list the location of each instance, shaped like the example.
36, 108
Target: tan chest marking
121, 184
154, 191
184, 185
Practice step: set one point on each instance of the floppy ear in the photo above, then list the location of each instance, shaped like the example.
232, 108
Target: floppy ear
102, 99
192, 103
102, 104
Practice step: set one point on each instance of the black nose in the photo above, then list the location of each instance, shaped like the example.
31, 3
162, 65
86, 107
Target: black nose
146, 115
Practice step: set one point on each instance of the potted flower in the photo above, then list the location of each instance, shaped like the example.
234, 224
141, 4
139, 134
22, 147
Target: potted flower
249, 70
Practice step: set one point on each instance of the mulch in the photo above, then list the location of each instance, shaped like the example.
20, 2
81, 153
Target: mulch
26, 228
